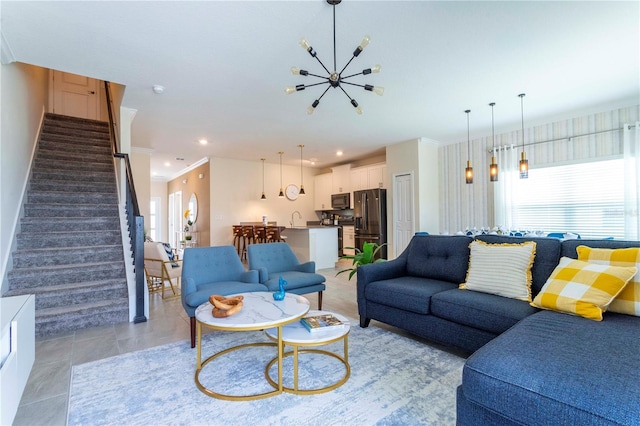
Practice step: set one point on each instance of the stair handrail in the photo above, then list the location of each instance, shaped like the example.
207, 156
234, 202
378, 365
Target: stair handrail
133, 212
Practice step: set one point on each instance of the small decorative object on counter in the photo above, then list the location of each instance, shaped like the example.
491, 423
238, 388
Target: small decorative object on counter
264, 220
279, 295
225, 306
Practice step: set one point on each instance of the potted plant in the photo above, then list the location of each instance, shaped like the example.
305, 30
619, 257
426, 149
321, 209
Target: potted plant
363, 257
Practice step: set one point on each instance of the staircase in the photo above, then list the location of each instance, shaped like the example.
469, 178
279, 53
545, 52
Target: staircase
69, 248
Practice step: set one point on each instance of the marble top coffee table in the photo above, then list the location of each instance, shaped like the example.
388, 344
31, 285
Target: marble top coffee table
297, 336
259, 311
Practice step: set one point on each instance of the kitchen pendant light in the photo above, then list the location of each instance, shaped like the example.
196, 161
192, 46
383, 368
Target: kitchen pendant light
334, 78
264, 197
301, 179
493, 167
468, 172
524, 163
281, 194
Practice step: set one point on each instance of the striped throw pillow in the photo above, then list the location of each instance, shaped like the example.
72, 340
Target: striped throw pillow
628, 301
501, 269
582, 288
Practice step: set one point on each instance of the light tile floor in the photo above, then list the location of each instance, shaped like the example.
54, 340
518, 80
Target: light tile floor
45, 399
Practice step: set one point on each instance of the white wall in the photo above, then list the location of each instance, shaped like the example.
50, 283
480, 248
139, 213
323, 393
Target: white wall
235, 192
24, 90
159, 189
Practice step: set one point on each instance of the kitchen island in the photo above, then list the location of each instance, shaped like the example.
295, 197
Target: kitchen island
316, 243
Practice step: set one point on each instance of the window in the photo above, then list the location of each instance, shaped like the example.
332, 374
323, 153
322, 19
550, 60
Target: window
154, 219
585, 199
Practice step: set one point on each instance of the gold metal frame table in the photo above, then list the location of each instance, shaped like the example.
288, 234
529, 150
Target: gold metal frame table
297, 336
259, 311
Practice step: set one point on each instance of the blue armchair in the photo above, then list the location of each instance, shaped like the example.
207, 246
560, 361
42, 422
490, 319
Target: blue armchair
213, 270
275, 260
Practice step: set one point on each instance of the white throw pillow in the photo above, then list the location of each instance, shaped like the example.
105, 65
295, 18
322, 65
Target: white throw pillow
501, 269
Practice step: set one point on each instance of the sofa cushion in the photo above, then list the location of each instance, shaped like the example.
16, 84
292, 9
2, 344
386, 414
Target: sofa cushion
547, 256
583, 288
628, 301
407, 293
501, 269
294, 280
484, 311
558, 369
439, 257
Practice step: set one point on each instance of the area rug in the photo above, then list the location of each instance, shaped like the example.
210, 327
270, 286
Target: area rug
394, 381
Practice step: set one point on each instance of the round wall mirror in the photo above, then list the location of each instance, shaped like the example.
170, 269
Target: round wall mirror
193, 208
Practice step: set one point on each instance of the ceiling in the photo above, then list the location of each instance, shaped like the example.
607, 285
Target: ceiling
225, 64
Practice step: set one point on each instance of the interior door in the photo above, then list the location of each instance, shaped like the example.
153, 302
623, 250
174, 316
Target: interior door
403, 223
75, 95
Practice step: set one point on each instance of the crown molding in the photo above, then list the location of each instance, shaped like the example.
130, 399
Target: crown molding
198, 163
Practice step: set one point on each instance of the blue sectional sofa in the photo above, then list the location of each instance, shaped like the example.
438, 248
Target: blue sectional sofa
527, 366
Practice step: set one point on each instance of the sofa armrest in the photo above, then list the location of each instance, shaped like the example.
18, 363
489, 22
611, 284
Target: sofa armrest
251, 276
309, 267
376, 272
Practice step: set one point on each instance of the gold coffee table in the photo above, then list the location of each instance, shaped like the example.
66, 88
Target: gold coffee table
259, 311
297, 336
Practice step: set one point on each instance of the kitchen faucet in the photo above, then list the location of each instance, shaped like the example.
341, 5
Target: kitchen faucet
292, 219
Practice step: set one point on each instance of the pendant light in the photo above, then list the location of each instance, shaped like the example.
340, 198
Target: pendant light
493, 167
281, 194
524, 163
468, 172
264, 197
301, 180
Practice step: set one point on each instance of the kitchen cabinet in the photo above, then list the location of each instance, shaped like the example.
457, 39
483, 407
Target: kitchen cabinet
341, 179
348, 240
322, 191
318, 244
369, 177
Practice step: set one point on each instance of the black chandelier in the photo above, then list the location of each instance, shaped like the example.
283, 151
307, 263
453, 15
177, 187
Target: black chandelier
335, 79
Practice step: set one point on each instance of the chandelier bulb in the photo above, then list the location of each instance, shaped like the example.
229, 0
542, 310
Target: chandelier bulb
290, 89
365, 42
378, 90
295, 71
305, 44
310, 110
376, 68
359, 110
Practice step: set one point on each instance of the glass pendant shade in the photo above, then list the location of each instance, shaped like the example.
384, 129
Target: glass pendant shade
524, 166
493, 170
468, 173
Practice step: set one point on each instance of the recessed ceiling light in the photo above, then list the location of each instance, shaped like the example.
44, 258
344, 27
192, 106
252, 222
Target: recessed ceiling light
339, 153
203, 141
157, 89
167, 164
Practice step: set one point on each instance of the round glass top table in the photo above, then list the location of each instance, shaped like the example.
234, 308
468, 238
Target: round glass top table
259, 311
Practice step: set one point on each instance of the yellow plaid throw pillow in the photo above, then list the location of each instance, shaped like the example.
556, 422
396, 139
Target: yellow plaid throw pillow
628, 301
582, 288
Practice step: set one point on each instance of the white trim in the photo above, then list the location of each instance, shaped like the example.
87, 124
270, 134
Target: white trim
6, 53
198, 163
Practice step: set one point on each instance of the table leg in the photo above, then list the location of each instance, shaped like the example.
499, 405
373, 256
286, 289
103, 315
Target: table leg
199, 345
346, 349
280, 354
295, 367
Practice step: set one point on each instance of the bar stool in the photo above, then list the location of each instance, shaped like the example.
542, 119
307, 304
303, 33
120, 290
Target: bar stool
273, 234
238, 239
260, 234
248, 237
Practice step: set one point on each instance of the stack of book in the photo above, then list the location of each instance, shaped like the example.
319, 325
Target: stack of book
321, 322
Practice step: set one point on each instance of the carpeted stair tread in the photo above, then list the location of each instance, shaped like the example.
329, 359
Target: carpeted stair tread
74, 144
72, 166
42, 257
66, 210
98, 157
73, 273
68, 186
72, 197
57, 320
62, 224
75, 293
34, 240
47, 175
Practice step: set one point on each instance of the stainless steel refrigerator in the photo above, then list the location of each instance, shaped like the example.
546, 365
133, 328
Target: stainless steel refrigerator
370, 213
